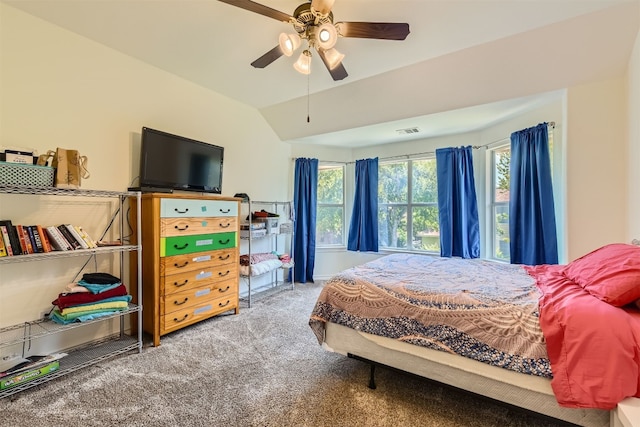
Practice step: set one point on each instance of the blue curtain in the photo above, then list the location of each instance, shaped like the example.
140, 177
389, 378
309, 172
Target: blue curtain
457, 203
532, 221
363, 229
305, 200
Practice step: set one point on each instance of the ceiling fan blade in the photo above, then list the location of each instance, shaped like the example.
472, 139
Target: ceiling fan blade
322, 6
268, 57
374, 30
338, 72
259, 8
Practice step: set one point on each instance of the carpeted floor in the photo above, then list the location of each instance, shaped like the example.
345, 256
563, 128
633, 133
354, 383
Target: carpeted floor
262, 367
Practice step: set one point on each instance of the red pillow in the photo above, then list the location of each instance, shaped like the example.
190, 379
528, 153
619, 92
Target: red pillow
610, 273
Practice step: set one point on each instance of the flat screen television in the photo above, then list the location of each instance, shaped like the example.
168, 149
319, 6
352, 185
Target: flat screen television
172, 162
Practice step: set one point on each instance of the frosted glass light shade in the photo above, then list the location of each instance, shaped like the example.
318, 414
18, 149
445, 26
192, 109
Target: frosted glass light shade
333, 58
326, 36
303, 64
288, 43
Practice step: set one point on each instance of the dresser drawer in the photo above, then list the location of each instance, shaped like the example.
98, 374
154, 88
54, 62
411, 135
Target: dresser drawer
187, 226
197, 278
198, 261
185, 208
197, 296
189, 315
178, 245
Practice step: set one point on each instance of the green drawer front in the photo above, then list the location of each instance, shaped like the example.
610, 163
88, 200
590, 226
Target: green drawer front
183, 208
196, 243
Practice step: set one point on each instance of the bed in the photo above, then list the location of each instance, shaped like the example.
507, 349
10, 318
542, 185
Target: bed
499, 330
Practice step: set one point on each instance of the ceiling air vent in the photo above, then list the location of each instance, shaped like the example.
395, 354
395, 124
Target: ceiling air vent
408, 131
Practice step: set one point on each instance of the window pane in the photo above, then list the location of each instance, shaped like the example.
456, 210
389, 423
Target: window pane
392, 226
424, 181
501, 237
501, 174
426, 228
329, 226
392, 182
330, 185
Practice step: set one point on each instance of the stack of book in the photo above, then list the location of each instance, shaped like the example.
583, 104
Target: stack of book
31, 239
18, 370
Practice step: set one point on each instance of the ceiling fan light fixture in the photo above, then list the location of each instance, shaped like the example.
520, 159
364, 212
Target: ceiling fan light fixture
303, 64
326, 36
333, 58
288, 43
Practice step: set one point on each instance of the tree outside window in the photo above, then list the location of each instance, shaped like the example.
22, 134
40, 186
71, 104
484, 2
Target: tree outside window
408, 205
330, 209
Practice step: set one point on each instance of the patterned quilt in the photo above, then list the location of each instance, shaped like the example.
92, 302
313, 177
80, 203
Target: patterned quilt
480, 309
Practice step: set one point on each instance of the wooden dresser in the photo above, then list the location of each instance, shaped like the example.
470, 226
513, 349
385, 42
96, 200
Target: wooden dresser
190, 260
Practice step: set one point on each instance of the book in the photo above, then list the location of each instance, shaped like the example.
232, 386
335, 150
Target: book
6, 239
35, 239
77, 236
25, 242
69, 237
57, 240
13, 236
92, 243
3, 248
46, 245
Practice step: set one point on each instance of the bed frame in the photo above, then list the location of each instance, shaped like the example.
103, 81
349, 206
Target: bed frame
530, 392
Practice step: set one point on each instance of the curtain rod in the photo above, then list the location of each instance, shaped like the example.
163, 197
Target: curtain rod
552, 125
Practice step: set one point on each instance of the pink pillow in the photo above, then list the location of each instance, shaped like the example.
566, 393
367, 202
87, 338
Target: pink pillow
610, 273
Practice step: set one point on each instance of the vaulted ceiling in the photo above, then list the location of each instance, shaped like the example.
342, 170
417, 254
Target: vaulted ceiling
465, 64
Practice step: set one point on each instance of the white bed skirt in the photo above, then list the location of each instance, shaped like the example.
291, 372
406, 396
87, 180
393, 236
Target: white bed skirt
526, 391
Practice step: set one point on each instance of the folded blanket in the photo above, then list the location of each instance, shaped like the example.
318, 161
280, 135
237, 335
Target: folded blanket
96, 306
83, 316
65, 300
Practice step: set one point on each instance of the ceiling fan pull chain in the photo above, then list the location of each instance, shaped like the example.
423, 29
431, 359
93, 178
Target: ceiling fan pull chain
308, 77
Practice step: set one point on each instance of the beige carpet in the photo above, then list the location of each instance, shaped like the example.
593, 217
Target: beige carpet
262, 367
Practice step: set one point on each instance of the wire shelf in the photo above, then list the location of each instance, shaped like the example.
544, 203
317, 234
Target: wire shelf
54, 191
24, 332
81, 357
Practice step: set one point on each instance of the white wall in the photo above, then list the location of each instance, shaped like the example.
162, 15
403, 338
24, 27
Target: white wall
633, 125
62, 90
596, 160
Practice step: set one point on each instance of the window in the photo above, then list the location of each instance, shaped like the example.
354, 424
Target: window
408, 205
500, 163
330, 210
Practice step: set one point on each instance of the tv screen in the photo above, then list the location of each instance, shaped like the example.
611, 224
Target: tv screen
174, 162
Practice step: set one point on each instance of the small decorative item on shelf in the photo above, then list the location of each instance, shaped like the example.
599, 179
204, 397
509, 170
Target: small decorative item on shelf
26, 175
70, 166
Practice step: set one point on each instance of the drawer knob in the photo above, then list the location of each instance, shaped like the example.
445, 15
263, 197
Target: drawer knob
224, 258
225, 242
180, 303
223, 274
181, 284
181, 266
181, 212
175, 319
225, 211
223, 290
181, 228
181, 247
225, 304
224, 225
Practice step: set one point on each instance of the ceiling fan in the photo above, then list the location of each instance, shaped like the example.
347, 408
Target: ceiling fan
313, 22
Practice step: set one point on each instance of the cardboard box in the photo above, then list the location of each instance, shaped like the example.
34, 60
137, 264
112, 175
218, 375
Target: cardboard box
28, 375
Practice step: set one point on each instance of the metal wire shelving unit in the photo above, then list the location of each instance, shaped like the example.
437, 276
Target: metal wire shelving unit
89, 353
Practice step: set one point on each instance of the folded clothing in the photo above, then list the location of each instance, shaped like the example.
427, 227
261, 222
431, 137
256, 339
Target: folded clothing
65, 300
256, 258
100, 306
100, 278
